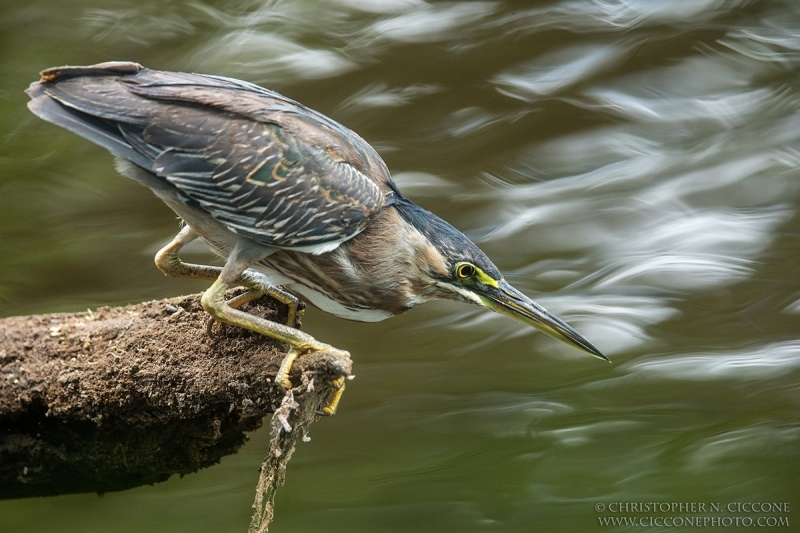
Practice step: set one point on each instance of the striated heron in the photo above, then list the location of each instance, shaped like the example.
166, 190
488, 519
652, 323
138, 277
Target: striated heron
287, 196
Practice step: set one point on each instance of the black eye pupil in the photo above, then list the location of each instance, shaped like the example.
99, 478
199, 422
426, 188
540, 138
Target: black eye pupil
466, 270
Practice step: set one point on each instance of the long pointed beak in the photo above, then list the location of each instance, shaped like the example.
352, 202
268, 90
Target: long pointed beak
508, 301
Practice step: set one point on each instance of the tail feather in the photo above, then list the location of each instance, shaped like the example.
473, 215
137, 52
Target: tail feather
90, 126
96, 130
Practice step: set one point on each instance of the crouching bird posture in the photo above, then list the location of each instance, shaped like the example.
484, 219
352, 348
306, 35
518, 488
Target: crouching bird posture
286, 195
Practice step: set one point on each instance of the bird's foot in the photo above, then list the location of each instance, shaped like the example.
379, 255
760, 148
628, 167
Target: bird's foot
213, 301
210, 326
294, 312
338, 389
235, 303
282, 377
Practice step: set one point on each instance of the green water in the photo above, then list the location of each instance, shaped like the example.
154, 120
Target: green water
633, 165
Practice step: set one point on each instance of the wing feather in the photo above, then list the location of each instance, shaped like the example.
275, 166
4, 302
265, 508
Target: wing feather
265, 166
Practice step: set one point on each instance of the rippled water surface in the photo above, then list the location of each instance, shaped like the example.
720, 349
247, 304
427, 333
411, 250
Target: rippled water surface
632, 164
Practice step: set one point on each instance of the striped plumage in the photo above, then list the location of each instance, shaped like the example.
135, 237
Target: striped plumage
276, 172
272, 185
265, 166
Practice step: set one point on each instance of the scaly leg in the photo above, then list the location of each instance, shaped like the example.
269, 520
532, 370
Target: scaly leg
276, 293
215, 305
330, 409
170, 264
235, 273
289, 300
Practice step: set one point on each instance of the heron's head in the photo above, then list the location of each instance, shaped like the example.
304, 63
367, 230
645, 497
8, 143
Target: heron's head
464, 273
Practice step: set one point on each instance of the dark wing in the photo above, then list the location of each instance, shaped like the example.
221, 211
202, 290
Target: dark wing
267, 167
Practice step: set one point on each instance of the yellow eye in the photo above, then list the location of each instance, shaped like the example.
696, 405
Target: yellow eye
464, 270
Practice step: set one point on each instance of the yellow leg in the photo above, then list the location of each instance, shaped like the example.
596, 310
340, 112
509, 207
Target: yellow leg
282, 377
289, 300
235, 273
170, 264
330, 409
248, 296
214, 303
236, 302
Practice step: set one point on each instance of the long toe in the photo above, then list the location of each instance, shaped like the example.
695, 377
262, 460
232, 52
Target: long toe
330, 409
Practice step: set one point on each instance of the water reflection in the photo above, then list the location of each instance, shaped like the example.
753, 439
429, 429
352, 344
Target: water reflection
431, 22
379, 95
547, 75
716, 453
762, 362
586, 16
136, 25
272, 56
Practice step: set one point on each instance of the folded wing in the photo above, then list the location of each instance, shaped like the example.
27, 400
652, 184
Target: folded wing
265, 166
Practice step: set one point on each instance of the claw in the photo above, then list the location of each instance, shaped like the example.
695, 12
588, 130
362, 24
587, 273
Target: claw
337, 383
282, 377
215, 304
330, 409
210, 326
